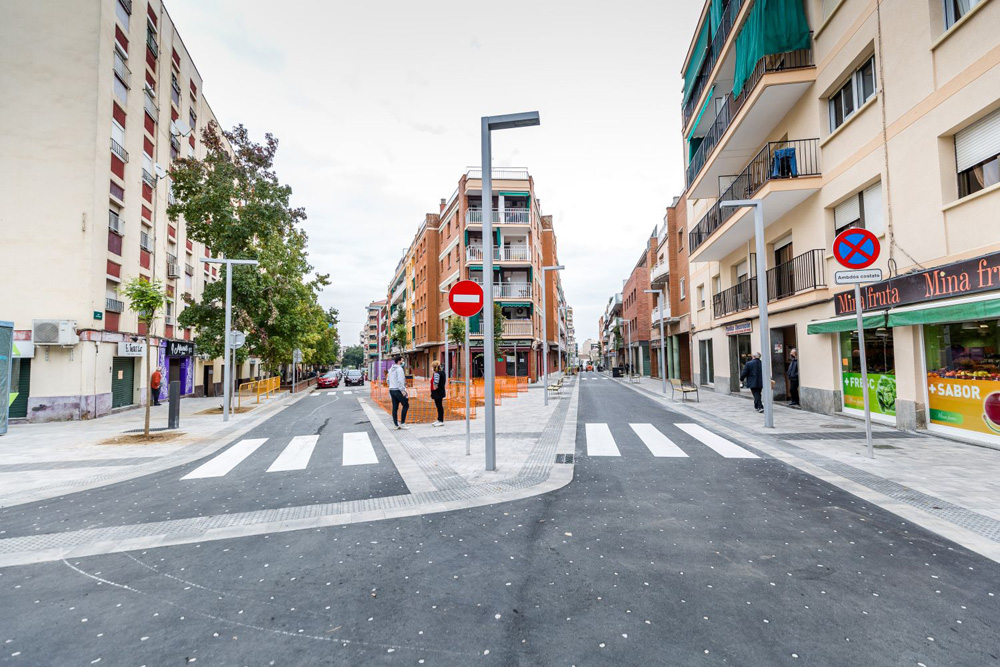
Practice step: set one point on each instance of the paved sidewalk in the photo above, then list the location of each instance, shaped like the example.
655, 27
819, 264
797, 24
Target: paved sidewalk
946, 486
39, 461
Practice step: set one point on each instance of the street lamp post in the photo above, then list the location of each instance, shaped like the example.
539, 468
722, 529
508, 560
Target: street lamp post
562, 309
663, 359
765, 332
545, 332
227, 392
488, 124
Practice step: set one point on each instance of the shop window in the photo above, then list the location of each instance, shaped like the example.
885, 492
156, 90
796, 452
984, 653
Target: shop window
881, 371
954, 10
963, 375
977, 155
858, 89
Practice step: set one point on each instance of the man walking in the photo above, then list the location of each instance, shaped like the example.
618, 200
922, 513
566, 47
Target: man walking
752, 376
793, 379
438, 384
154, 385
397, 392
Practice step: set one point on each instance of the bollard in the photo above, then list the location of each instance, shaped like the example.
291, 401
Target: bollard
174, 407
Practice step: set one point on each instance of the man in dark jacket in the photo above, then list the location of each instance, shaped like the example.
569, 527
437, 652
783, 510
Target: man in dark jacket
752, 376
793, 379
438, 387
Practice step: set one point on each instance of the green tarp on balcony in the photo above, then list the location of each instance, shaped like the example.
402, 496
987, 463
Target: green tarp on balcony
697, 57
773, 26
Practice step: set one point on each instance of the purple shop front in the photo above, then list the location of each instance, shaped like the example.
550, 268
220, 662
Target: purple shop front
176, 359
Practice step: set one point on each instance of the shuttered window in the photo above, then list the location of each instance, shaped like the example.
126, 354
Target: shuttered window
847, 214
872, 200
978, 142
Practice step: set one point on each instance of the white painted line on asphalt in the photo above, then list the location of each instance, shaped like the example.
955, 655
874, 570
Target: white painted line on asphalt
227, 460
657, 443
600, 442
347, 392
331, 393
358, 450
716, 442
296, 455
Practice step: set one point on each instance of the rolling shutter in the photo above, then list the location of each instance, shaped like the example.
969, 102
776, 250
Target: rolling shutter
847, 211
122, 387
19, 408
980, 141
873, 209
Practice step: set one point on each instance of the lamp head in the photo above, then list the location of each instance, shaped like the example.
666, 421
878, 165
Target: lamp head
511, 120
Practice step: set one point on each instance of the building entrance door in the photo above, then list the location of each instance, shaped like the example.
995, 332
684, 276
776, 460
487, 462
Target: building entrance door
122, 381
782, 343
739, 355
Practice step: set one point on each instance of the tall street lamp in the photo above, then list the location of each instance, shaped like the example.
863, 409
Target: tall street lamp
663, 359
490, 123
545, 330
227, 392
765, 332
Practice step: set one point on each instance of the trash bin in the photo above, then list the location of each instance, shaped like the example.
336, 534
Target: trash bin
616, 371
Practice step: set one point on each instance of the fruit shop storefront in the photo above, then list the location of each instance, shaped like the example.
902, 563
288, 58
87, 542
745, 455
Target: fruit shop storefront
932, 343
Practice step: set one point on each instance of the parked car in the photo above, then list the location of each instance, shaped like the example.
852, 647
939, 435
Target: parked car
328, 380
354, 378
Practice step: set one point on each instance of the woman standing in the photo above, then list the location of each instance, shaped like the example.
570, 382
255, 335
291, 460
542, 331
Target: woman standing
438, 383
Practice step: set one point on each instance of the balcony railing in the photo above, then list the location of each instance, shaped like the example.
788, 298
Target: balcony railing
731, 105
510, 253
511, 328
778, 160
508, 174
151, 43
722, 32
148, 179
399, 291
122, 70
510, 216
188, 269
150, 107
660, 313
798, 274
115, 223
113, 305
119, 150
511, 290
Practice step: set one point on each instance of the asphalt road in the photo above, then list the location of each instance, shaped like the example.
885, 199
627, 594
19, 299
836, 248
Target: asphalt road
642, 560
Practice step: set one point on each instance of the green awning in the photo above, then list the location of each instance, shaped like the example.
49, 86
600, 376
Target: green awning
523, 304
697, 57
977, 310
773, 26
708, 100
515, 194
847, 323
715, 15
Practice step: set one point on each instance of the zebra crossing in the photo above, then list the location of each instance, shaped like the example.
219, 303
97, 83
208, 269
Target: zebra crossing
296, 455
601, 442
333, 393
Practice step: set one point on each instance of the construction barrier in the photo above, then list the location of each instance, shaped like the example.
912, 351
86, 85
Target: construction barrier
422, 409
266, 388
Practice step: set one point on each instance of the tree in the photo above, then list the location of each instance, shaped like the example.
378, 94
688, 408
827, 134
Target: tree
145, 298
399, 335
327, 348
498, 320
354, 356
234, 203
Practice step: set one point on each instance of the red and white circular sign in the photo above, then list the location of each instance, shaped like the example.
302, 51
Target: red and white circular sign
856, 248
465, 298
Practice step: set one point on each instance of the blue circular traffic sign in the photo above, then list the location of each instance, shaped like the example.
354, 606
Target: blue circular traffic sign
856, 248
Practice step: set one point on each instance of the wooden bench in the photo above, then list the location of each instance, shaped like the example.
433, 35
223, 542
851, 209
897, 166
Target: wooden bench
684, 388
556, 386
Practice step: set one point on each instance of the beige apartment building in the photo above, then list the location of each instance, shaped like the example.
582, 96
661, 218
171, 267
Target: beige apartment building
106, 96
878, 114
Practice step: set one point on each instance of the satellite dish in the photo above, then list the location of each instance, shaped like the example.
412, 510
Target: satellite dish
182, 128
160, 171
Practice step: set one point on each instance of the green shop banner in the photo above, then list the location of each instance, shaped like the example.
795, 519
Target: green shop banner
881, 393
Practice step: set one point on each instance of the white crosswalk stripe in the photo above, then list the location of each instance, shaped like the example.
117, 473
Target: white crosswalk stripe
600, 442
657, 443
358, 449
348, 392
296, 455
227, 460
716, 442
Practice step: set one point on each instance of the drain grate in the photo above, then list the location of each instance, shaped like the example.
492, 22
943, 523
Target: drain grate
564, 458
151, 429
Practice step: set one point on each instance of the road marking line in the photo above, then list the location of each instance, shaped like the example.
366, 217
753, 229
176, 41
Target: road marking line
222, 464
296, 455
331, 393
657, 443
347, 392
600, 442
716, 442
358, 449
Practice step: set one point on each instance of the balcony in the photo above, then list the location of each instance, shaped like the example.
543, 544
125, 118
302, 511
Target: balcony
113, 305
122, 70
148, 179
398, 293
511, 290
119, 150
115, 223
150, 107
661, 313
510, 253
722, 32
509, 216
658, 274
151, 43
504, 174
188, 269
783, 173
615, 307
744, 121
799, 274
511, 328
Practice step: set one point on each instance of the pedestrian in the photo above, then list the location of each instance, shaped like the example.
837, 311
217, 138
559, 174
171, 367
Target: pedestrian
397, 392
438, 390
793, 379
752, 376
154, 385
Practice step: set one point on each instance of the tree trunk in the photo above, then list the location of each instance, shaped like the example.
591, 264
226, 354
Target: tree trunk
149, 385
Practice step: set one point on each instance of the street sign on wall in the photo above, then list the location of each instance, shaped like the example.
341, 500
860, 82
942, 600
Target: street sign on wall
856, 248
466, 298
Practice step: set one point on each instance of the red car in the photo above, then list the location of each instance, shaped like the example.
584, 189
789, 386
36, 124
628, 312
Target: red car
329, 381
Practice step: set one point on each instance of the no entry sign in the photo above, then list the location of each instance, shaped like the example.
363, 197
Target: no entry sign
856, 248
465, 298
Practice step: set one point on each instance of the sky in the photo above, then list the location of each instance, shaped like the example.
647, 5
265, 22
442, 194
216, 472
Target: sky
377, 108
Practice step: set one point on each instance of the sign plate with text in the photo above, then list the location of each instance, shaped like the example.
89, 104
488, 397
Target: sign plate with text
862, 276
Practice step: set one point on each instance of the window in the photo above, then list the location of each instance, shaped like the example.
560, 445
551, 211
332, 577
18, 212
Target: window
683, 295
121, 91
862, 210
122, 12
954, 10
977, 155
701, 296
716, 284
859, 88
118, 135
707, 362
680, 240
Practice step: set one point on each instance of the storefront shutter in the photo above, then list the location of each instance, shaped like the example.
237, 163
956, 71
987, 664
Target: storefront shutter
122, 390
873, 209
19, 408
980, 141
847, 212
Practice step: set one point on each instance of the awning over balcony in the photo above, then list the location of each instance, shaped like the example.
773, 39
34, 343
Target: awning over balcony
773, 26
697, 57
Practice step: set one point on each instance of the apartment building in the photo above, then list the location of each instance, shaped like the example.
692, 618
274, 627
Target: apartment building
83, 193
373, 335
837, 114
671, 306
448, 247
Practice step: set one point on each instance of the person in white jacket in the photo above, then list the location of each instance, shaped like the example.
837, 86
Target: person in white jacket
397, 392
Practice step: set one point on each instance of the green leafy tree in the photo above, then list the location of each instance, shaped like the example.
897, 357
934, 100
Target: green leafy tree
399, 335
354, 356
498, 320
327, 348
145, 298
234, 203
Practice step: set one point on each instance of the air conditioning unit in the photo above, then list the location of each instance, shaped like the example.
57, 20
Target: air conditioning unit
54, 332
521, 313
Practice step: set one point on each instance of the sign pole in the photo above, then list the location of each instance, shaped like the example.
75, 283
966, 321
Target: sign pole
468, 437
864, 370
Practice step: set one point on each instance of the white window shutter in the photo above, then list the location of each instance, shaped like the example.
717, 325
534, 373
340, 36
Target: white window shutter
847, 212
980, 141
873, 209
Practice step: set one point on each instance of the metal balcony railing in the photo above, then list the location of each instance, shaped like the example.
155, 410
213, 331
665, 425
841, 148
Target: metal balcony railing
511, 290
741, 296
510, 253
731, 105
115, 223
122, 70
148, 179
509, 173
151, 43
145, 242
722, 32
798, 274
150, 107
113, 305
188, 269
511, 328
509, 216
777, 160
119, 150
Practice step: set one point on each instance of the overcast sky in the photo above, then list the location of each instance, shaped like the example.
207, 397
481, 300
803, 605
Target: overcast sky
377, 107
